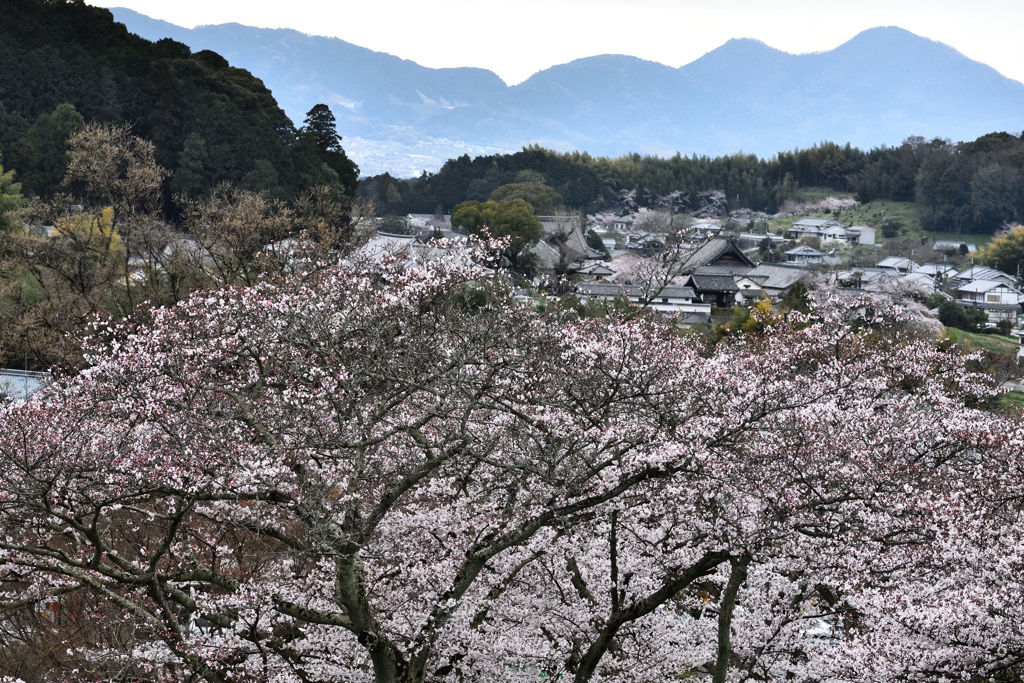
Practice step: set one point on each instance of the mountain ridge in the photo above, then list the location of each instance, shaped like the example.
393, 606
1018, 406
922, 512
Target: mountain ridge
882, 86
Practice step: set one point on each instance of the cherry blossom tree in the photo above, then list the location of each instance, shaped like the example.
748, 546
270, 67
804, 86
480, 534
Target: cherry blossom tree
713, 203
387, 471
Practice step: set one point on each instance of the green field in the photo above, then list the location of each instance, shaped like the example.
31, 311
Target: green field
993, 343
816, 194
871, 214
874, 214
1012, 400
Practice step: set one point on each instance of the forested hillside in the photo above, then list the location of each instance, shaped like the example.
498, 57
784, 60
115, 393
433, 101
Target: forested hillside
970, 187
64, 63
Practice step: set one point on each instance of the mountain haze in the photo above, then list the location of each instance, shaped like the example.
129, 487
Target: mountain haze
878, 88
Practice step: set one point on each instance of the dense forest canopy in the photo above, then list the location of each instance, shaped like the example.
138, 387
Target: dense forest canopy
64, 63
969, 187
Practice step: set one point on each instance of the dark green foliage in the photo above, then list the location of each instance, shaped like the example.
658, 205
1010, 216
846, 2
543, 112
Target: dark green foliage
891, 229
62, 61
970, 187
544, 200
594, 242
319, 158
952, 314
934, 300
10, 195
512, 219
320, 128
975, 186
40, 152
389, 195
796, 298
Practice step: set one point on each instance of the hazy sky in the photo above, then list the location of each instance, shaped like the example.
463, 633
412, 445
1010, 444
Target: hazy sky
516, 38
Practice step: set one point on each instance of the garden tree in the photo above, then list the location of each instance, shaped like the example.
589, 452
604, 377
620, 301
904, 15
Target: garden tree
892, 228
116, 170
796, 298
233, 230
544, 200
1006, 251
60, 283
513, 220
595, 242
952, 314
384, 471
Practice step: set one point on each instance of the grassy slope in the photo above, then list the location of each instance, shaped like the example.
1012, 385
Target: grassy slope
993, 343
1012, 400
873, 214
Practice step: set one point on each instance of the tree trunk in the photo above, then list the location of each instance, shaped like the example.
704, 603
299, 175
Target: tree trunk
737, 576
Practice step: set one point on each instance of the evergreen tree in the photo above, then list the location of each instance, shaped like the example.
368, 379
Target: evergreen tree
320, 125
319, 156
10, 195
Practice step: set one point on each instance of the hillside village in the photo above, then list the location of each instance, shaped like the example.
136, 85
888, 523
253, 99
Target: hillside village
723, 263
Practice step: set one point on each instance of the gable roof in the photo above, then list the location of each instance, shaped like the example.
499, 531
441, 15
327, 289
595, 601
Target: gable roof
897, 262
935, 269
718, 251
805, 250
612, 289
866, 274
724, 269
834, 230
596, 269
983, 273
703, 282
982, 286
776, 277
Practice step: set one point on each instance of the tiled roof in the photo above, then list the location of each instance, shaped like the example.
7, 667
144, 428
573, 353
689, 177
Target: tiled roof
982, 273
935, 269
776, 277
981, 286
724, 269
713, 283
712, 251
611, 289
805, 250
897, 262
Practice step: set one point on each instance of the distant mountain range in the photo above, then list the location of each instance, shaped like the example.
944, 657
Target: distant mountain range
879, 88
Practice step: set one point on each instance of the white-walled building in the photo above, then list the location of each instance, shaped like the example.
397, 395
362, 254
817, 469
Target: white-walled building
997, 299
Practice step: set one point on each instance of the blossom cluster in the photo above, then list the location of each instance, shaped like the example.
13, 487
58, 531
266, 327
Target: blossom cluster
388, 471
